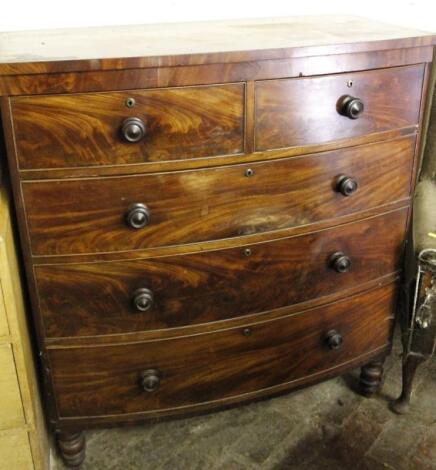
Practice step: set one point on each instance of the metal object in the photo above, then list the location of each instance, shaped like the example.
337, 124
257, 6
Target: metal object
346, 185
247, 252
246, 331
340, 262
425, 291
351, 107
424, 314
143, 299
333, 339
130, 102
419, 328
349, 83
249, 172
150, 380
133, 129
138, 215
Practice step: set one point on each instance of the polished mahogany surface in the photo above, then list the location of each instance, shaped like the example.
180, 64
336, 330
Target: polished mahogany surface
294, 112
206, 223
197, 369
162, 45
88, 215
98, 298
180, 123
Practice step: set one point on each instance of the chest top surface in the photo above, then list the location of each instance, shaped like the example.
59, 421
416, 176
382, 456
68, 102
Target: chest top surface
200, 42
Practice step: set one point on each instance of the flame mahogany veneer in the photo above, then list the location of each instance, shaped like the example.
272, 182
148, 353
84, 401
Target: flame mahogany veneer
207, 222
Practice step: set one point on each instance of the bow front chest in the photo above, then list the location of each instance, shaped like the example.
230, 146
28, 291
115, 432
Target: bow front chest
210, 213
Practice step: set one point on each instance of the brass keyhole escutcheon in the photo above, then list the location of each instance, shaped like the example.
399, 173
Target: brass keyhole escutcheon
247, 331
130, 102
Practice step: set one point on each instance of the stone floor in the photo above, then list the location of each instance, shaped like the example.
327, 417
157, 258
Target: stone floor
327, 426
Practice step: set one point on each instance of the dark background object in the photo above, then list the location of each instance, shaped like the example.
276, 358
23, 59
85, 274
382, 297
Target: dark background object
418, 306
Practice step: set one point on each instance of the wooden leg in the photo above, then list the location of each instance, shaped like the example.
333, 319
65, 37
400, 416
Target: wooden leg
72, 448
371, 377
410, 364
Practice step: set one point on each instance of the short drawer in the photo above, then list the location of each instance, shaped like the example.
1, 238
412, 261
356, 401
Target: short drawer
61, 131
193, 370
93, 215
173, 291
11, 408
314, 110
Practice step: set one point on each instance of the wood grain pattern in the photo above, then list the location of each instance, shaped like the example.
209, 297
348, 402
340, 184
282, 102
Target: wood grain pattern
79, 220
220, 243
87, 215
303, 111
199, 42
71, 423
96, 298
135, 78
201, 368
207, 162
84, 129
240, 321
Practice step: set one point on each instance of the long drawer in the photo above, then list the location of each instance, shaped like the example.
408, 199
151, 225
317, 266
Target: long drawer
89, 129
191, 370
94, 215
173, 291
314, 110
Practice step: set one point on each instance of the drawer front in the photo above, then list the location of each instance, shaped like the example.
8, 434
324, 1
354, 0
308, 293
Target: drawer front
173, 291
90, 215
304, 111
90, 129
11, 410
15, 450
103, 380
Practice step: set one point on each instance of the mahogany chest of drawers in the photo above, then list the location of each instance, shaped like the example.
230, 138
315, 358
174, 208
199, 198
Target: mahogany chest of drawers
210, 213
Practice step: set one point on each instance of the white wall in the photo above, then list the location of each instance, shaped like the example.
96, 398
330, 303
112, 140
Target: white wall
24, 14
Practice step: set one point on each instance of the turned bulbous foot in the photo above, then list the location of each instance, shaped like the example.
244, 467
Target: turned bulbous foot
72, 447
371, 378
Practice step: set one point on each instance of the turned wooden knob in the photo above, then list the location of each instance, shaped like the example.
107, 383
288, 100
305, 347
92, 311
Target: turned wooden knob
143, 299
133, 129
138, 215
340, 262
333, 339
150, 380
346, 185
351, 107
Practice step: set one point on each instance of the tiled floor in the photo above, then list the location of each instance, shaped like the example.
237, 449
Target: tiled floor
327, 426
